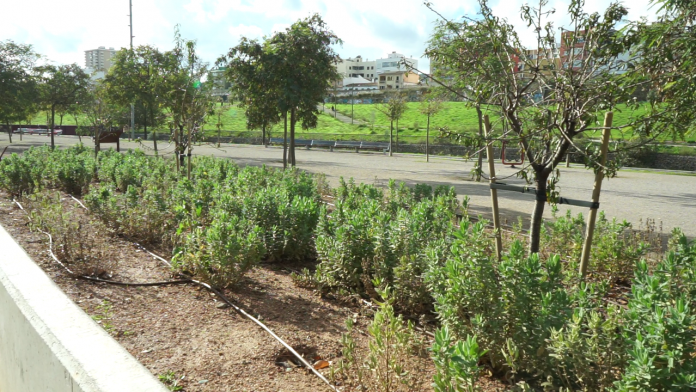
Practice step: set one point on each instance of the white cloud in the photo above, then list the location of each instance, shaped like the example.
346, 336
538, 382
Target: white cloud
242, 30
372, 29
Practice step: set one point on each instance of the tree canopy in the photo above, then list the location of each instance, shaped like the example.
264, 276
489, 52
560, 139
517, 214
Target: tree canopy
289, 72
17, 82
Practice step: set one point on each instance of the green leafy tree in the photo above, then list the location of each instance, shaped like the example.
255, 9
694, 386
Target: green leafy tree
17, 83
544, 105
667, 61
185, 98
59, 87
393, 107
136, 77
289, 73
248, 68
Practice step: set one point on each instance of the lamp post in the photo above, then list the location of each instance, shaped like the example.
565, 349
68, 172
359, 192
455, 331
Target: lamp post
351, 104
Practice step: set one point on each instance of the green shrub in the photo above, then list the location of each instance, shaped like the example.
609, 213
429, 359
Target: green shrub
660, 325
16, 175
456, 363
73, 169
370, 236
220, 253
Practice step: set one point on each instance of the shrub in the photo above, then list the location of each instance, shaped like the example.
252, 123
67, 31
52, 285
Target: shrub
221, 253
78, 249
660, 325
372, 236
456, 363
16, 175
392, 361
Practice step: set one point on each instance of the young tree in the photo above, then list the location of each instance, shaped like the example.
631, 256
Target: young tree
59, 87
185, 98
17, 83
136, 76
102, 113
393, 107
544, 104
430, 106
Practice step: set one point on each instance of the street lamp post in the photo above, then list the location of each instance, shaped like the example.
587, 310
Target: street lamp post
351, 105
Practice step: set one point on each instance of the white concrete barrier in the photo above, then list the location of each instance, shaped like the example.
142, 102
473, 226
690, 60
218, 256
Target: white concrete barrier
48, 344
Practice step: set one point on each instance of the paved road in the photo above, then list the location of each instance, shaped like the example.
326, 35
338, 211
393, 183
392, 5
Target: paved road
634, 195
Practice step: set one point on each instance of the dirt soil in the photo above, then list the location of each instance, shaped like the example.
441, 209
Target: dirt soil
186, 330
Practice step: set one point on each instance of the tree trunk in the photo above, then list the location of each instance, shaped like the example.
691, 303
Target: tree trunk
480, 129
391, 137
53, 120
538, 213
285, 140
263, 135
292, 137
9, 131
396, 145
427, 140
154, 130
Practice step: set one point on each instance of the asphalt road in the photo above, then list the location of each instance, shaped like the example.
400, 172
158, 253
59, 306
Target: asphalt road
634, 195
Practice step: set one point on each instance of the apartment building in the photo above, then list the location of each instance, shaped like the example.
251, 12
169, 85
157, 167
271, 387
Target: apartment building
397, 80
99, 59
357, 67
394, 62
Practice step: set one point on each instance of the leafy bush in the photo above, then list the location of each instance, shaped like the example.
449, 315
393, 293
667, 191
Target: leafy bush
660, 325
221, 253
73, 169
16, 175
392, 361
456, 363
539, 324
385, 237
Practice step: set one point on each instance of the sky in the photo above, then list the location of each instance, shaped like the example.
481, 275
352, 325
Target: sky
62, 30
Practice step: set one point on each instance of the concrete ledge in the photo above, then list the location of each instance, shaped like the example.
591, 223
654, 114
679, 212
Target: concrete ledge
47, 343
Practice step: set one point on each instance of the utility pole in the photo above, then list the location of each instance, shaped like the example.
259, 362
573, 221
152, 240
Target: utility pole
351, 105
130, 15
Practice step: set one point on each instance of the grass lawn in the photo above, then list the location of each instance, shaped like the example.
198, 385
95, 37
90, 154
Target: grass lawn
375, 126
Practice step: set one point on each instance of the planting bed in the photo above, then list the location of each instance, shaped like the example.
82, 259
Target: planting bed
187, 331
285, 247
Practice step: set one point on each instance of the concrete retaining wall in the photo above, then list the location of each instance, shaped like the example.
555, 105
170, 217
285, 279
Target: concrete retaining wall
47, 343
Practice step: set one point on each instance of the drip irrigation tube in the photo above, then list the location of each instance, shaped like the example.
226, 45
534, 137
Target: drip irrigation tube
216, 292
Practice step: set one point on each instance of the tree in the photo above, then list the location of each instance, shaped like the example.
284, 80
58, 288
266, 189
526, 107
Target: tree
248, 68
17, 84
667, 60
430, 106
288, 73
306, 62
544, 104
186, 100
393, 107
135, 76
101, 112
59, 87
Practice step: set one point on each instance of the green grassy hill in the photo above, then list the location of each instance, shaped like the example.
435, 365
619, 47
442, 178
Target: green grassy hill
374, 125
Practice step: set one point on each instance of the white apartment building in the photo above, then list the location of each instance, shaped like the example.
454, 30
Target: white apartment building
357, 67
393, 63
99, 59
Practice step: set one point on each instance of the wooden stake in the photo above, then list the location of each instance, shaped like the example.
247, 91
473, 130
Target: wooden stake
494, 193
587, 246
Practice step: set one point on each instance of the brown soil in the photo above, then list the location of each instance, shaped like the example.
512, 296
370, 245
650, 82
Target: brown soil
186, 330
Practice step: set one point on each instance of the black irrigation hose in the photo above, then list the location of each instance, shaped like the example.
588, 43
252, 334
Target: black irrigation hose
216, 292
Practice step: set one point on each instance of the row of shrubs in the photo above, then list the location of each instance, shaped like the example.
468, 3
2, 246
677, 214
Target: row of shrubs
528, 319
